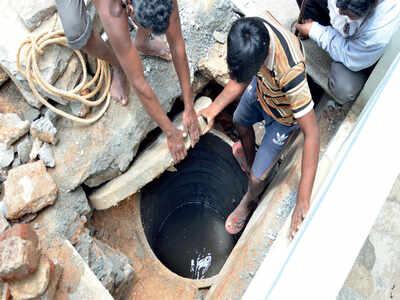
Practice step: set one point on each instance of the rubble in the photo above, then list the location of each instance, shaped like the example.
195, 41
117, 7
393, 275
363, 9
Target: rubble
19, 252
12, 128
28, 189
47, 156
24, 147
35, 285
6, 155
44, 130
32, 13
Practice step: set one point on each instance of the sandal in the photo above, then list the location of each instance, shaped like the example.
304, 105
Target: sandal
238, 154
234, 224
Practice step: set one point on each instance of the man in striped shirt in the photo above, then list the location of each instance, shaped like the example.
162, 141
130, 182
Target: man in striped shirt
267, 69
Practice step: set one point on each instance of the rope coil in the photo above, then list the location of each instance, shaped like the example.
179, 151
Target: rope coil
35, 47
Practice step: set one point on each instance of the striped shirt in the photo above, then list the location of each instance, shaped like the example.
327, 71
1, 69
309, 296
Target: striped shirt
282, 87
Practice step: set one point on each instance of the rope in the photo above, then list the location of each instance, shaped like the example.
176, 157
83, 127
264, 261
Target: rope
35, 46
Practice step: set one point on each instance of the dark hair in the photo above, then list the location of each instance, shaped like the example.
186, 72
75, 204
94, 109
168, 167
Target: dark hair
248, 45
359, 7
153, 14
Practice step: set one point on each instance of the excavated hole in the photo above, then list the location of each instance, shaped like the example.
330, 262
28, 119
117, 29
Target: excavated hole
183, 213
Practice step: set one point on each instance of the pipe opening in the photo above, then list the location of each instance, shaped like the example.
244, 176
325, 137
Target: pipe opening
183, 213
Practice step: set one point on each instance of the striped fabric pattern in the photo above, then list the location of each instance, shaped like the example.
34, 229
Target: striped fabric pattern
283, 90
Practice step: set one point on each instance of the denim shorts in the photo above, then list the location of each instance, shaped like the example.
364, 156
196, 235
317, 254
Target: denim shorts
248, 112
76, 22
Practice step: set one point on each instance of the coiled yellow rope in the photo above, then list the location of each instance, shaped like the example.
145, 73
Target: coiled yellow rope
32, 73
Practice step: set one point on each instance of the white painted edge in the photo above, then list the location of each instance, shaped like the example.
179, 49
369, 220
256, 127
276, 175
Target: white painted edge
316, 263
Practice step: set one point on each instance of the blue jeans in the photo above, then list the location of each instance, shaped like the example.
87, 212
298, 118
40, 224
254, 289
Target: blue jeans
248, 112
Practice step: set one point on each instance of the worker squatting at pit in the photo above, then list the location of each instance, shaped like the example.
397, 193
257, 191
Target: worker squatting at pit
267, 73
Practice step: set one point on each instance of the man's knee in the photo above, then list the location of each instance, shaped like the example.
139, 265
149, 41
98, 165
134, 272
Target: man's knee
345, 84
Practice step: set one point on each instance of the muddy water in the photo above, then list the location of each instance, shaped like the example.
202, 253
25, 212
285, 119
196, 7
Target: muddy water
193, 241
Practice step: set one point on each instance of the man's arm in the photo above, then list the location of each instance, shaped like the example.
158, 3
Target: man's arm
232, 91
309, 127
115, 23
179, 58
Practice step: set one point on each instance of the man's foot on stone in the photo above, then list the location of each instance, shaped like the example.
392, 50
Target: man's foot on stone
238, 154
119, 86
155, 46
237, 219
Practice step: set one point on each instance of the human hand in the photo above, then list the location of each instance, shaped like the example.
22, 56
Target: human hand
207, 113
191, 125
299, 214
176, 145
304, 29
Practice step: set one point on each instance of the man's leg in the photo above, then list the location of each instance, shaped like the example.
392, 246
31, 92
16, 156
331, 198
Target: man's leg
78, 30
346, 84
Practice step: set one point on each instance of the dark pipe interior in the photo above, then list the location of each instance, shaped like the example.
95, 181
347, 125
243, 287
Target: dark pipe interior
184, 212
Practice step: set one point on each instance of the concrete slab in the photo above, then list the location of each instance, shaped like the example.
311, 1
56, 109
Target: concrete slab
148, 165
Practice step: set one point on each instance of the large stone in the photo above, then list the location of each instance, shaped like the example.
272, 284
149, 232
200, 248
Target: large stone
105, 149
55, 274
11, 101
34, 12
28, 189
12, 128
3, 77
147, 166
35, 284
6, 155
19, 252
52, 64
214, 65
44, 130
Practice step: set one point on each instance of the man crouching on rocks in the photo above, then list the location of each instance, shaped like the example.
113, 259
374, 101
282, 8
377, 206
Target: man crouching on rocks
267, 69
151, 16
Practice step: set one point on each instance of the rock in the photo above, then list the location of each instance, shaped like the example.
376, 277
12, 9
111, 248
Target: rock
52, 64
4, 291
34, 12
103, 150
79, 109
11, 101
214, 65
3, 76
220, 37
110, 266
37, 144
28, 189
24, 147
19, 252
148, 165
44, 130
199, 82
68, 80
50, 115
6, 155
3, 224
35, 284
55, 274
3, 175
16, 163
12, 128
46, 154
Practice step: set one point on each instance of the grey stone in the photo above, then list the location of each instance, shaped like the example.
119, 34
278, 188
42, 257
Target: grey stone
79, 109
367, 256
148, 165
220, 37
11, 101
44, 130
24, 147
6, 156
52, 64
34, 12
105, 148
3, 77
347, 293
50, 115
12, 128
47, 155
36, 145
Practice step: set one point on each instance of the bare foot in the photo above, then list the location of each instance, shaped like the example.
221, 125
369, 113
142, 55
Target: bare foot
237, 219
154, 46
119, 86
